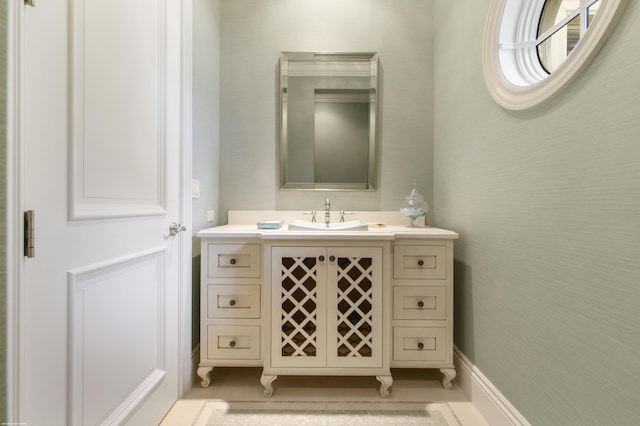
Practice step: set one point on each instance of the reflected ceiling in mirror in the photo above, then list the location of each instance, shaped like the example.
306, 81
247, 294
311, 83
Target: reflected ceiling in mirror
327, 130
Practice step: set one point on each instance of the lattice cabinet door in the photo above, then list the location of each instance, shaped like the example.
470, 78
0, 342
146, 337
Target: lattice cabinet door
354, 307
298, 323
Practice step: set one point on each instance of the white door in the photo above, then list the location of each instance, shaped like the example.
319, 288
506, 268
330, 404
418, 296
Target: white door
98, 315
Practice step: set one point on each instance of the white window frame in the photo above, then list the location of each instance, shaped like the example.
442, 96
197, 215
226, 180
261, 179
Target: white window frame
514, 76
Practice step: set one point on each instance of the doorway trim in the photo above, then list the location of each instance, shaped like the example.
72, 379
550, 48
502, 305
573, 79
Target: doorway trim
14, 204
186, 204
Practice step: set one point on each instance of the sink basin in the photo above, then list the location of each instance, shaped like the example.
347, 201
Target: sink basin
302, 225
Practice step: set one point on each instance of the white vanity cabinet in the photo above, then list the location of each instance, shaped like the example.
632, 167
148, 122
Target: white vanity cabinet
327, 311
423, 306
326, 302
230, 305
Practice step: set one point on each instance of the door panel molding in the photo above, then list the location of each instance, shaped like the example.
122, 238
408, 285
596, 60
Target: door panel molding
111, 369
135, 398
118, 107
187, 370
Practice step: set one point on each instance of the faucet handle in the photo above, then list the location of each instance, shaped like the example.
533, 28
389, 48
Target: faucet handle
342, 215
313, 215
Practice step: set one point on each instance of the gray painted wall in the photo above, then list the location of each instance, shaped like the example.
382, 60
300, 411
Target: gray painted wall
206, 108
253, 35
547, 204
206, 132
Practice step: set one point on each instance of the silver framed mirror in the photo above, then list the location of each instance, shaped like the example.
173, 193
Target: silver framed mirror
327, 132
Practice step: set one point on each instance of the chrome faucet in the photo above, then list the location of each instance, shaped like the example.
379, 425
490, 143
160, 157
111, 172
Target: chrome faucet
327, 212
313, 215
342, 214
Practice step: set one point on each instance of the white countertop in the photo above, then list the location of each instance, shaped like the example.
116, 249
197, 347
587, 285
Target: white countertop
383, 225
374, 233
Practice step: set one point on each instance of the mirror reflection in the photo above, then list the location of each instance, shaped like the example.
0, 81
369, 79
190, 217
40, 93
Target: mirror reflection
327, 132
562, 25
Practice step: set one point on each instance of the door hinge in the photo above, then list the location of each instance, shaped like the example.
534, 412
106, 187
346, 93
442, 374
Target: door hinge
31, 3
29, 233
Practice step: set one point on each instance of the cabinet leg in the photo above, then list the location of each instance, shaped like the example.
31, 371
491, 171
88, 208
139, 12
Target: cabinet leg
266, 381
203, 372
449, 375
385, 384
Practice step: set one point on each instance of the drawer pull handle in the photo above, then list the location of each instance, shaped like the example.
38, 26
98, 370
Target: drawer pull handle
420, 262
321, 258
420, 345
232, 261
332, 258
420, 304
232, 344
232, 302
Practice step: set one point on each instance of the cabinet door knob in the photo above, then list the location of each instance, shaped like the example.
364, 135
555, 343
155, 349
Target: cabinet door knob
232, 344
232, 261
321, 258
420, 304
420, 262
332, 258
232, 302
420, 345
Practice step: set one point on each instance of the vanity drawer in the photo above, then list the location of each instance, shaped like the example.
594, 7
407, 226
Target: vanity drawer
420, 262
419, 344
419, 303
233, 301
234, 260
233, 342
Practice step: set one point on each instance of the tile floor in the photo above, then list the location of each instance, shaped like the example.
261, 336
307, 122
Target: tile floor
241, 387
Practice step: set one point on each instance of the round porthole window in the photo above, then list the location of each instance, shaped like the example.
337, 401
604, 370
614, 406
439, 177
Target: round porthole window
534, 48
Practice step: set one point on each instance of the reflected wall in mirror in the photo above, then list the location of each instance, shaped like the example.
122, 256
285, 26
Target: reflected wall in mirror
327, 130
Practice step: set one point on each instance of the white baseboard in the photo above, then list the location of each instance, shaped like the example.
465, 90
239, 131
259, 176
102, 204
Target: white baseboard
488, 400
